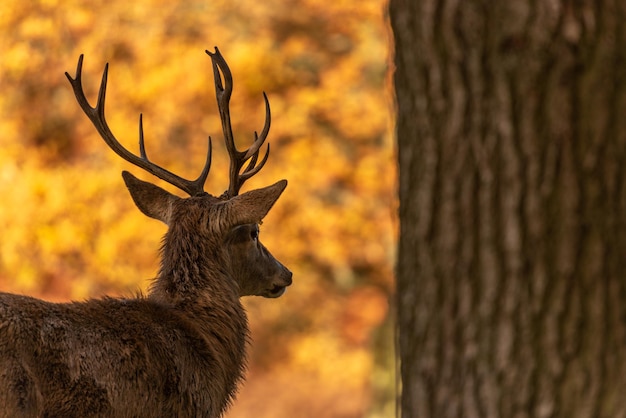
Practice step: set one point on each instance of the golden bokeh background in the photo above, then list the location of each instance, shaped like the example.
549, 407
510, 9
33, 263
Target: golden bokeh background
70, 230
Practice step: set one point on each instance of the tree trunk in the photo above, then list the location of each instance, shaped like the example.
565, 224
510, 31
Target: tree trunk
512, 254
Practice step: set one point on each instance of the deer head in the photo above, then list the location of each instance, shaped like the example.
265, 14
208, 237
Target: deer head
206, 234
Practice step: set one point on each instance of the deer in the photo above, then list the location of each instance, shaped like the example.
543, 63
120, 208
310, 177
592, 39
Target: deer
179, 350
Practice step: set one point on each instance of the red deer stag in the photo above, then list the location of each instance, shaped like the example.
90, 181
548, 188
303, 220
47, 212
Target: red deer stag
179, 351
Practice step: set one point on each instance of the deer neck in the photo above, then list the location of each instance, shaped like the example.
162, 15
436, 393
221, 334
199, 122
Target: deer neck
192, 269
193, 281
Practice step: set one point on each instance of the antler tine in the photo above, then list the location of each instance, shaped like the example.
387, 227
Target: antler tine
96, 115
251, 169
223, 92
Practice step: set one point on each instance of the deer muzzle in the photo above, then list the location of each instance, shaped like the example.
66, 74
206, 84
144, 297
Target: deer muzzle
280, 285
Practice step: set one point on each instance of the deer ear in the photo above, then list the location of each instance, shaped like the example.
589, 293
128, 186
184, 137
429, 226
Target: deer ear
150, 199
252, 206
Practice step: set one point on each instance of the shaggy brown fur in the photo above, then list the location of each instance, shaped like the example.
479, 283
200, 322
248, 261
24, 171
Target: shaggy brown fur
178, 352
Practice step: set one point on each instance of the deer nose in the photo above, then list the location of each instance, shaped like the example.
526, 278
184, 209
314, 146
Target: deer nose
288, 277
284, 274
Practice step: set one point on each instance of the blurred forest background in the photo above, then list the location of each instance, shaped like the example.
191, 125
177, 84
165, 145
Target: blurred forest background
71, 231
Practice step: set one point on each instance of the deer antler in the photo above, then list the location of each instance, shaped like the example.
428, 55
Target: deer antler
96, 115
237, 158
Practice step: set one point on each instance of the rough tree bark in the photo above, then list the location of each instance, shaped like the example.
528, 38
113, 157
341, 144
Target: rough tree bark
512, 255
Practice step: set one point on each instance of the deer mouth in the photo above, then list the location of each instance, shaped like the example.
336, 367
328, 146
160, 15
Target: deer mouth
275, 292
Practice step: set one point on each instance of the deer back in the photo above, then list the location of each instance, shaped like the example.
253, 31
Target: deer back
117, 357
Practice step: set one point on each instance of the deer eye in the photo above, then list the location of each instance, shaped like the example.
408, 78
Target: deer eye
254, 234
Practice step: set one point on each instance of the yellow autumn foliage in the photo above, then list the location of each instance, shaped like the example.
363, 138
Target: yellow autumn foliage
70, 230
